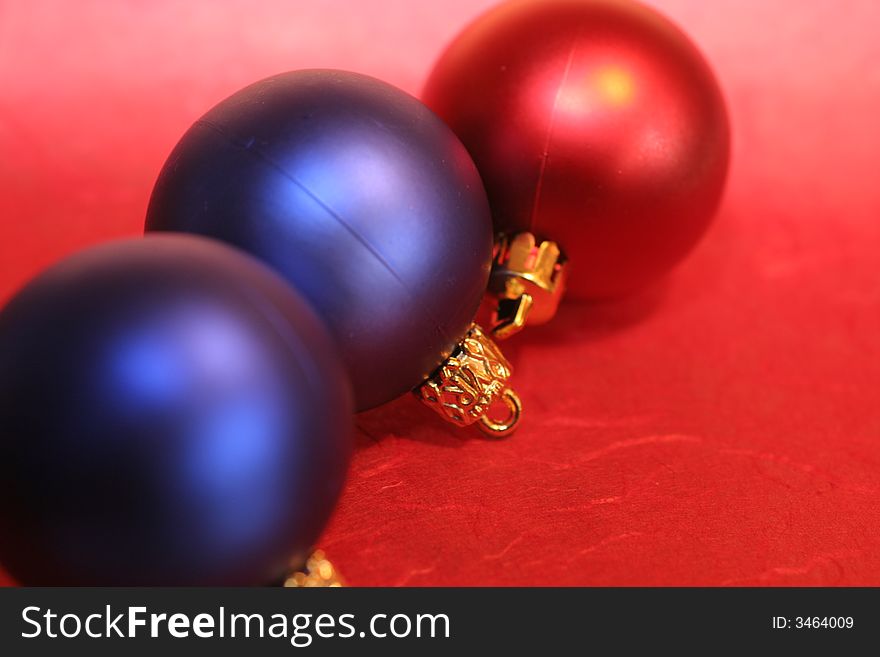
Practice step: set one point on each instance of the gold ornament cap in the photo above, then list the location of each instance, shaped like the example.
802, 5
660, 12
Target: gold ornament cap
470, 382
528, 281
317, 573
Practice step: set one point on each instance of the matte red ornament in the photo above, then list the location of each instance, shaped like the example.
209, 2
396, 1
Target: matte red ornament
596, 124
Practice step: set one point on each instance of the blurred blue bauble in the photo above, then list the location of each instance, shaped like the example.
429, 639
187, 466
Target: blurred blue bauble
360, 196
171, 413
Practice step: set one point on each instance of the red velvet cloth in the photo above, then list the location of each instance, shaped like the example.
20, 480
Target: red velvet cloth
723, 428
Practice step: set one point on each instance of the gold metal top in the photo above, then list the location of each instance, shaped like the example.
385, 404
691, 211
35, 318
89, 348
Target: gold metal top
528, 280
318, 572
471, 380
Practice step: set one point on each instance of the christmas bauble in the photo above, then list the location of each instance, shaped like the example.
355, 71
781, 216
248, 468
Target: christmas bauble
596, 124
358, 195
171, 413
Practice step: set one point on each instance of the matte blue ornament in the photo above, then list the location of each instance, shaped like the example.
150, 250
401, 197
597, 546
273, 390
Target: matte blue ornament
361, 197
171, 413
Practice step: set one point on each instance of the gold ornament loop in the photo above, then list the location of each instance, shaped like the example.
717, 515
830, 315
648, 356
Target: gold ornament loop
472, 379
527, 281
317, 573
505, 427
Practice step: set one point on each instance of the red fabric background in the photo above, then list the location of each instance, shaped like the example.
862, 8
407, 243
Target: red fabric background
721, 429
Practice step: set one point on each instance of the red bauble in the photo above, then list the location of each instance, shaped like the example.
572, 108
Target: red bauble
595, 124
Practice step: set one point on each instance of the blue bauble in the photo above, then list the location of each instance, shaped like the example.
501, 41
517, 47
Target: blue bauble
360, 196
171, 413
